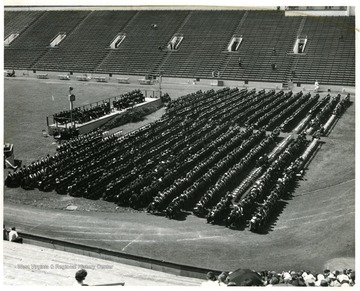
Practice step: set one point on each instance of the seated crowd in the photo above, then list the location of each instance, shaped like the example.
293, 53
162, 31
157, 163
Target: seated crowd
221, 210
294, 118
325, 112
290, 278
165, 165
81, 115
128, 100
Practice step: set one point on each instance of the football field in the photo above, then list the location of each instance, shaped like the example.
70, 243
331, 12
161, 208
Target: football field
314, 229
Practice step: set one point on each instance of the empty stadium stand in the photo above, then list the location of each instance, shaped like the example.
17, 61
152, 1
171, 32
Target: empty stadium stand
330, 55
88, 44
262, 31
18, 21
140, 53
206, 36
34, 42
268, 38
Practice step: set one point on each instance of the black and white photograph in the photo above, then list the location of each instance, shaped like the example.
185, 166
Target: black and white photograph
178, 144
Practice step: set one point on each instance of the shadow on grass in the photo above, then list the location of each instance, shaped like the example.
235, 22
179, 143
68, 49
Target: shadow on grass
337, 119
273, 218
181, 216
313, 155
161, 214
239, 227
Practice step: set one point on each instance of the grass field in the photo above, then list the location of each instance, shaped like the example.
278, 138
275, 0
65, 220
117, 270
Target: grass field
315, 228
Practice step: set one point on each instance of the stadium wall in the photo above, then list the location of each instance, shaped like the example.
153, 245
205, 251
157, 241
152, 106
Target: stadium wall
133, 260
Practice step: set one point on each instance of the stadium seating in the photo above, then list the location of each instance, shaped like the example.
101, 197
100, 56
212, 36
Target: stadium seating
268, 39
35, 40
139, 53
18, 21
88, 44
329, 57
206, 36
262, 31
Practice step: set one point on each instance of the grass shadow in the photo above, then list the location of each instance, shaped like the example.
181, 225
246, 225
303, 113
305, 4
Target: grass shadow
274, 216
181, 216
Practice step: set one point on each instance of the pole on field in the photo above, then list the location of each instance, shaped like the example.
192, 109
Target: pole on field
71, 99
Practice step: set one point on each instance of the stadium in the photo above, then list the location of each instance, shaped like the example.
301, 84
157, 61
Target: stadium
181, 140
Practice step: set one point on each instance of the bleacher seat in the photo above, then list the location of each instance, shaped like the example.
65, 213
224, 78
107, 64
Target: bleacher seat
123, 80
100, 79
82, 78
326, 57
144, 82
64, 77
42, 76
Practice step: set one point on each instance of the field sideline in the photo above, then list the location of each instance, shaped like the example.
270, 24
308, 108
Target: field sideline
315, 229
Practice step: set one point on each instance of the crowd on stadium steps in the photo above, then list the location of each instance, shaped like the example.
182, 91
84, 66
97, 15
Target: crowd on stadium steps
290, 278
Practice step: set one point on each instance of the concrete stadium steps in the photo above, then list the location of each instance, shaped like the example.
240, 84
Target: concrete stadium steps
203, 50
83, 49
206, 35
22, 58
31, 45
31, 265
140, 52
18, 21
263, 31
328, 58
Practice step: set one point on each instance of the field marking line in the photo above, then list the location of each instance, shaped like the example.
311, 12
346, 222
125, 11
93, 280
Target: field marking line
315, 221
91, 231
198, 238
44, 222
324, 188
52, 82
134, 240
327, 206
318, 214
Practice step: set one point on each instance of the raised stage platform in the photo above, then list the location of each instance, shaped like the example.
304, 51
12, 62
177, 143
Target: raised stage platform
93, 124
